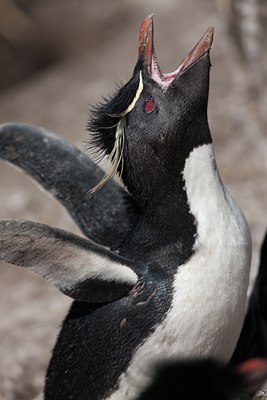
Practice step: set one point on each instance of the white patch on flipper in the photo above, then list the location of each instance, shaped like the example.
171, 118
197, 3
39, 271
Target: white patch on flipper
62, 258
71, 265
209, 300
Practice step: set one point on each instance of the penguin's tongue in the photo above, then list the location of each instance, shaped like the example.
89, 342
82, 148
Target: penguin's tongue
146, 47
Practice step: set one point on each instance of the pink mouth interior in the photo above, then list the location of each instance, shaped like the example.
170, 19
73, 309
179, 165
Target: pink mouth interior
202, 48
164, 80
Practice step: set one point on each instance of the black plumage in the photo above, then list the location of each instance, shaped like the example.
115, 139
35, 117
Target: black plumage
253, 338
205, 379
150, 230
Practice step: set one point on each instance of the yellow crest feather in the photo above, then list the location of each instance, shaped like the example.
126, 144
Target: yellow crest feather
116, 156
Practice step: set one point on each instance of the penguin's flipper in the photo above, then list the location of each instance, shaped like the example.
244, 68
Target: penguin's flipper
68, 175
253, 338
78, 267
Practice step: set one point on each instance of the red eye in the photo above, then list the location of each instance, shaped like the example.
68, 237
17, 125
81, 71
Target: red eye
149, 105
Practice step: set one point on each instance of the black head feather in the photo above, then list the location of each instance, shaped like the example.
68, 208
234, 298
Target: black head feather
106, 116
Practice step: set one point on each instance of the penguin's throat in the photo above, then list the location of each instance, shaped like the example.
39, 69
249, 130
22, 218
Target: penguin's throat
165, 227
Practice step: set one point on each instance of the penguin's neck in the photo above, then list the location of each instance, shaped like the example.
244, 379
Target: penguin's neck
172, 225
168, 228
165, 225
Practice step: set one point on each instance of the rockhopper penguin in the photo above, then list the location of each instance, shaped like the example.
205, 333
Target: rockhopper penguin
173, 282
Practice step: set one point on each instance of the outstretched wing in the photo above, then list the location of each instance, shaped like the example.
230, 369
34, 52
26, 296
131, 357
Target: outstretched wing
79, 268
68, 175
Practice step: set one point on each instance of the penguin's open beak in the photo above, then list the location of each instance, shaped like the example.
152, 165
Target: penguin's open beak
147, 49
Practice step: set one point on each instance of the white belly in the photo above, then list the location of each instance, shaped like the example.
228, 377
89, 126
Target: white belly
208, 306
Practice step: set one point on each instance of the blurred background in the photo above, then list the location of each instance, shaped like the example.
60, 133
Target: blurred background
59, 56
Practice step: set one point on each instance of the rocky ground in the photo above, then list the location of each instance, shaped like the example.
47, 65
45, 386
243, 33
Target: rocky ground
58, 98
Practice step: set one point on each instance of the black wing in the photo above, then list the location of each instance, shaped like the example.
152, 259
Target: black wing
68, 175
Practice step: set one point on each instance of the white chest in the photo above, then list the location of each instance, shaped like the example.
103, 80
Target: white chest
210, 289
